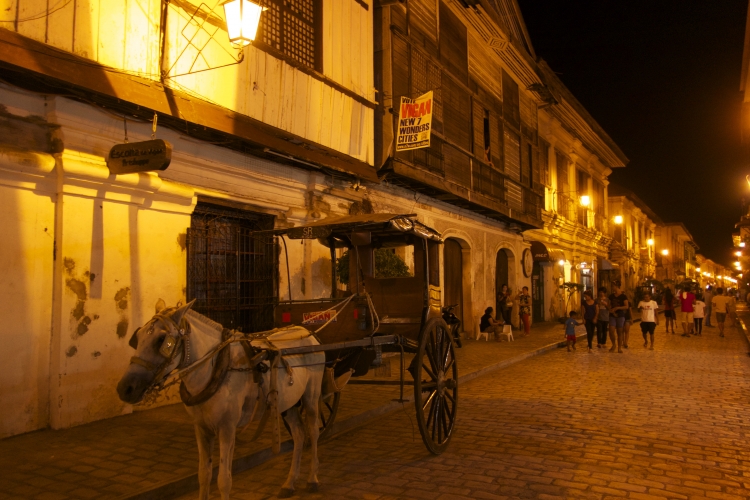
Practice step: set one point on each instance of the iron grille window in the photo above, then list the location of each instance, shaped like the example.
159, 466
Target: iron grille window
231, 272
292, 29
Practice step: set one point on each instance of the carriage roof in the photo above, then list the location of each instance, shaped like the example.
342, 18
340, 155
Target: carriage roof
380, 224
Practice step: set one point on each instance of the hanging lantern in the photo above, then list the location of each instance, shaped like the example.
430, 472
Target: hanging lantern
243, 18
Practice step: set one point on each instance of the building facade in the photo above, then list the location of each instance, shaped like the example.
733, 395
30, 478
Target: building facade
675, 253
633, 237
298, 126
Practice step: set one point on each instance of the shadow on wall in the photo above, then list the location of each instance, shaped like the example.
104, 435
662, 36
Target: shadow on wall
25, 306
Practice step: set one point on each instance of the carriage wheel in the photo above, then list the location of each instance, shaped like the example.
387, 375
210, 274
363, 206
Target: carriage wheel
436, 385
327, 409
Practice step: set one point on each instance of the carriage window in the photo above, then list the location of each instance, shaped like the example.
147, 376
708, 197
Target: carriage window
395, 262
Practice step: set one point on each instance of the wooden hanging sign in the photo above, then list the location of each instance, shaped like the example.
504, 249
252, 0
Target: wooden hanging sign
143, 156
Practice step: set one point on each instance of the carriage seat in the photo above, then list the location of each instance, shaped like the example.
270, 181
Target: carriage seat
289, 333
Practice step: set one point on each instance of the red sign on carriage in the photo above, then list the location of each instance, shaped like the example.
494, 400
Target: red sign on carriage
315, 318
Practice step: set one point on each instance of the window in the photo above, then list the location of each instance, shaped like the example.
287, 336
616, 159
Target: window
231, 272
292, 29
544, 163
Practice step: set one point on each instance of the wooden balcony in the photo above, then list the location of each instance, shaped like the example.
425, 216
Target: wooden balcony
451, 175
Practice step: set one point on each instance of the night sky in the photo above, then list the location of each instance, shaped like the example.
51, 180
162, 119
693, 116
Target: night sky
662, 78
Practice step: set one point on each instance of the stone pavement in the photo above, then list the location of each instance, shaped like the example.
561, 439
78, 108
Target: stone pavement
152, 453
668, 423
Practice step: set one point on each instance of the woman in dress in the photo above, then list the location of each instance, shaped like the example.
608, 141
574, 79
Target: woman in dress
524, 309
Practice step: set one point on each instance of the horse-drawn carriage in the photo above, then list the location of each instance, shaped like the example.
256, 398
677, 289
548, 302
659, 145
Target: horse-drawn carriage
229, 379
401, 314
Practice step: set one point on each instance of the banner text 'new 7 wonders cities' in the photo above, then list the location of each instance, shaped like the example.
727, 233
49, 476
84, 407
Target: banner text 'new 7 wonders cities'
414, 123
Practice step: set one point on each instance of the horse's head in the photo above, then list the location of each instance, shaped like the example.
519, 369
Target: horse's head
157, 345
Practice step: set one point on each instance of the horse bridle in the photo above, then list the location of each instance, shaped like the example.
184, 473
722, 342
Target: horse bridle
177, 336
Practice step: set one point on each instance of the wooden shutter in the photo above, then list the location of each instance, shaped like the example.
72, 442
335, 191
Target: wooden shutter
457, 166
478, 129
400, 72
512, 153
511, 111
423, 16
562, 174
496, 141
544, 163
453, 45
514, 194
457, 113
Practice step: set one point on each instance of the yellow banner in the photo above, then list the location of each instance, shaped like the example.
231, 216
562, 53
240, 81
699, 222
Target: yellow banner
414, 123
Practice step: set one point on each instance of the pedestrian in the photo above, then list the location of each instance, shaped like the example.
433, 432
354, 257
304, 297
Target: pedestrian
570, 330
720, 304
627, 325
524, 309
669, 313
505, 302
618, 304
707, 297
590, 313
687, 299
649, 318
699, 309
602, 323
489, 325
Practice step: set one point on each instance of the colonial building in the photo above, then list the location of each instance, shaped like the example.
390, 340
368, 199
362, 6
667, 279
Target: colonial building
675, 253
633, 237
576, 157
297, 126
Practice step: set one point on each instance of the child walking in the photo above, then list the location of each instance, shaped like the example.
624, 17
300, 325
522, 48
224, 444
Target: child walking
570, 330
699, 313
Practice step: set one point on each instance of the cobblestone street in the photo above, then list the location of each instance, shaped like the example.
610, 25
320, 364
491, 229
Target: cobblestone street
643, 424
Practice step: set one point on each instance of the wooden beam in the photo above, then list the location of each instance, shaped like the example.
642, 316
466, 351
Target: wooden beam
102, 85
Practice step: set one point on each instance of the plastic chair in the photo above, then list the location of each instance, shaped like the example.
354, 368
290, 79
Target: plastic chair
508, 332
478, 333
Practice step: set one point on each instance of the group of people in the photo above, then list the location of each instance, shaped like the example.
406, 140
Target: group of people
505, 302
612, 314
695, 307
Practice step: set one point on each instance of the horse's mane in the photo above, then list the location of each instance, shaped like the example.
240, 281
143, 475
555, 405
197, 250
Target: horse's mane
207, 322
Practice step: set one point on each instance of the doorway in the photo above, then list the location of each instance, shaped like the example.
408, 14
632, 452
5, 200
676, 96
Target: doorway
453, 265
537, 293
501, 276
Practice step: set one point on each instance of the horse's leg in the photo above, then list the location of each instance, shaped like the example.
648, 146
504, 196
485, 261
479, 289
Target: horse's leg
310, 401
226, 453
298, 435
205, 449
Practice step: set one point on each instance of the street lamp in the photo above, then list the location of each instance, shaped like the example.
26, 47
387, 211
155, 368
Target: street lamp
618, 219
742, 244
561, 262
585, 200
738, 254
665, 252
650, 242
243, 18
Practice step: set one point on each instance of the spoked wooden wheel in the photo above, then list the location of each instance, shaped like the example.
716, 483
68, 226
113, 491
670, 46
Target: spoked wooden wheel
327, 409
436, 385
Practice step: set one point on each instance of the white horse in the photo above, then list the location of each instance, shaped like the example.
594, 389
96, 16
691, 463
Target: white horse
178, 337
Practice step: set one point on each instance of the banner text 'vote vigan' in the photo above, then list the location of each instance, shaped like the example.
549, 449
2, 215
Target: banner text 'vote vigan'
414, 123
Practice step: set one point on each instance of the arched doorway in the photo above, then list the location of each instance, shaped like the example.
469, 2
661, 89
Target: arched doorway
501, 277
453, 272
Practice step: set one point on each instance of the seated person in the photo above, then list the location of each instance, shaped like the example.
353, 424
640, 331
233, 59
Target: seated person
491, 325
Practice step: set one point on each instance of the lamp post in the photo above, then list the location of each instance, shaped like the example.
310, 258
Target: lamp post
243, 18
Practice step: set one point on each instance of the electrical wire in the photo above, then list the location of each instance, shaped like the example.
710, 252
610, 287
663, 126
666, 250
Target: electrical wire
46, 13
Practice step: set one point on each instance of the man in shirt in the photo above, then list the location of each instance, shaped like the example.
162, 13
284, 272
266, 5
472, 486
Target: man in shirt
707, 299
618, 305
687, 299
720, 304
649, 318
